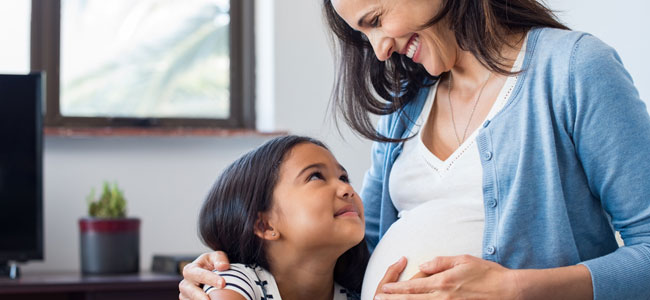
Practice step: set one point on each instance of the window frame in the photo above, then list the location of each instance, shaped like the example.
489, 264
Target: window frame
45, 56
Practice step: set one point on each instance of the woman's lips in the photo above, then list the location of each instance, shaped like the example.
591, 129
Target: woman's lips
412, 47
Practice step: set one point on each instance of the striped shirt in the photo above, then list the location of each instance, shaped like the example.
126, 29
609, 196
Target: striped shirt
256, 283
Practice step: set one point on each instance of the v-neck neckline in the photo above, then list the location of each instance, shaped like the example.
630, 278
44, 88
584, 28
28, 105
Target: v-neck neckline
506, 91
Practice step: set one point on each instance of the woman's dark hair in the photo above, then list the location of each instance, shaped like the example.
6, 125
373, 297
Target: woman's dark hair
481, 27
245, 188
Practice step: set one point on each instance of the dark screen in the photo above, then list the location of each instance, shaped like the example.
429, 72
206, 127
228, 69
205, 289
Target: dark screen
20, 167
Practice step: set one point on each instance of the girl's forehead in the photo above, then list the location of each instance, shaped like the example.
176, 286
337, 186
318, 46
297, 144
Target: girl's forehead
304, 155
308, 152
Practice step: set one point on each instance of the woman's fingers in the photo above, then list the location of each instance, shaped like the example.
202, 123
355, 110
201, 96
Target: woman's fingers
407, 297
420, 275
218, 260
189, 290
457, 277
200, 272
433, 280
392, 273
442, 263
414, 286
195, 274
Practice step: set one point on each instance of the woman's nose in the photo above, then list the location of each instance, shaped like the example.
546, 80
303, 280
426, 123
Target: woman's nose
382, 45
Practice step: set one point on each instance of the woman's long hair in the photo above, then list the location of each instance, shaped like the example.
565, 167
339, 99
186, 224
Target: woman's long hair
481, 27
245, 189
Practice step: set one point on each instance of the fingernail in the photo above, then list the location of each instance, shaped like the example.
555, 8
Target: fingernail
377, 298
220, 283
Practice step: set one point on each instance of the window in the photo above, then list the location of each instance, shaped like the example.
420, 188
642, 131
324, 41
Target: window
15, 51
145, 63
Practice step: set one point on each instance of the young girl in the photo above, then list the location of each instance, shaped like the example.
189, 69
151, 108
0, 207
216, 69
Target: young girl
290, 222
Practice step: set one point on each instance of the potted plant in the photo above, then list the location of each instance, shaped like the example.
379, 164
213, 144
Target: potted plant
109, 241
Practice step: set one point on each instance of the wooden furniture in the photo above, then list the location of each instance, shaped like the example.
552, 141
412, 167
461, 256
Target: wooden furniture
74, 286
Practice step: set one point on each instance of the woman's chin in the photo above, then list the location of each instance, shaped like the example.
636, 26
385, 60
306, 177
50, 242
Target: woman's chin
433, 70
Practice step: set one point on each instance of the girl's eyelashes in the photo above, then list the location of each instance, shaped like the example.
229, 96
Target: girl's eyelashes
315, 176
345, 178
319, 176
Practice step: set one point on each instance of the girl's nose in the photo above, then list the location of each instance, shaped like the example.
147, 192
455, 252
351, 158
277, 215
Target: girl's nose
346, 191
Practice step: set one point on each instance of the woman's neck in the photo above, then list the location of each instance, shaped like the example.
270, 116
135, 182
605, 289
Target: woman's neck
469, 73
304, 275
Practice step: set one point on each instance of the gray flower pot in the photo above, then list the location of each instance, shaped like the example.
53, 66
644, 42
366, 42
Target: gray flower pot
109, 246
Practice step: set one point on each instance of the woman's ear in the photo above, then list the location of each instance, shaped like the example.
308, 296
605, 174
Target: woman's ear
264, 229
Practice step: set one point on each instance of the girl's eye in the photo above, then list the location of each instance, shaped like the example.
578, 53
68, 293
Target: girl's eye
344, 178
315, 176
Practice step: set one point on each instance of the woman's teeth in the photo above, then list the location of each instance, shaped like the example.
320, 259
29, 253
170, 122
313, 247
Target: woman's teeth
412, 47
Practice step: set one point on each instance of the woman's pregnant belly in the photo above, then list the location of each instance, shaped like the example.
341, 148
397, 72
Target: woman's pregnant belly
421, 234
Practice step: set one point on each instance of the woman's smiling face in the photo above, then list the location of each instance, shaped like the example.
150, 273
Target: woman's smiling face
397, 26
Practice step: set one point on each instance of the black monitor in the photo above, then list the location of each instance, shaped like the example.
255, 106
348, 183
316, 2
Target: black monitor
21, 169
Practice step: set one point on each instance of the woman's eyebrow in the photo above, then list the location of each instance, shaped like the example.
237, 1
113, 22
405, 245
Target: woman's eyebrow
361, 20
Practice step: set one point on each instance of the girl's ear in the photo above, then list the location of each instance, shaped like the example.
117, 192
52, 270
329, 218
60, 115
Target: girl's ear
264, 229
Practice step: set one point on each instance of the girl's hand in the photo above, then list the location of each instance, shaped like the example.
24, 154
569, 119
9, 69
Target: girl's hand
455, 277
200, 272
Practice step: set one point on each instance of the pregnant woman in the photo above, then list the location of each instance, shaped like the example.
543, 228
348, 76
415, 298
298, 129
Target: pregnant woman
509, 151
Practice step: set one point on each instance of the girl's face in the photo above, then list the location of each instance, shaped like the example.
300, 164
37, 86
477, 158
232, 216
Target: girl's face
395, 26
314, 205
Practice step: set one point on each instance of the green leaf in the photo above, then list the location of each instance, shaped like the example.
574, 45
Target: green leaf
111, 203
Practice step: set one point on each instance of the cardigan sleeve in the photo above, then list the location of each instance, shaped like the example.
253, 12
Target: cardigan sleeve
611, 132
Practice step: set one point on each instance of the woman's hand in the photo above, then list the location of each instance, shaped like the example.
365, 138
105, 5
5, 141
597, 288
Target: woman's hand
392, 274
200, 272
454, 277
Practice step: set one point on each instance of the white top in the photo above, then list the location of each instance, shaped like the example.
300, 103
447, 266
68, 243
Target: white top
439, 203
255, 283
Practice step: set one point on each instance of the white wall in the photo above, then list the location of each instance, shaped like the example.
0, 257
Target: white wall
621, 24
165, 179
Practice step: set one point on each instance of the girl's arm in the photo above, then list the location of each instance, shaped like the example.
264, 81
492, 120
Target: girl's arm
225, 295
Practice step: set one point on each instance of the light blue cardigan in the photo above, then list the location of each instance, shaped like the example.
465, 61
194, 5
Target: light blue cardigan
565, 164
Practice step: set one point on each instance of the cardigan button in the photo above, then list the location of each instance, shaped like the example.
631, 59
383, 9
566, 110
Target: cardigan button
486, 123
490, 250
487, 155
492, 203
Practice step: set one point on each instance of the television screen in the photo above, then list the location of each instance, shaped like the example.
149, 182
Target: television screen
21, 205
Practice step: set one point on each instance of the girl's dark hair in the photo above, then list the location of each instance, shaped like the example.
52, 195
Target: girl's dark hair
245, 189
481, 27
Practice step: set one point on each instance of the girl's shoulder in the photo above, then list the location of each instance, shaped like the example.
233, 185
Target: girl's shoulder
252, 282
